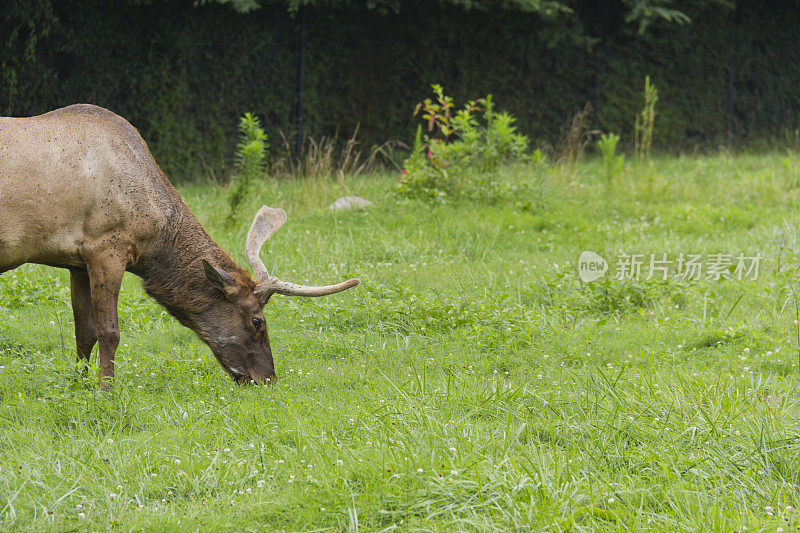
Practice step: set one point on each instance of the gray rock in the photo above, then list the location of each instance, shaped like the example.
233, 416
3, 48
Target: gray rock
350, 202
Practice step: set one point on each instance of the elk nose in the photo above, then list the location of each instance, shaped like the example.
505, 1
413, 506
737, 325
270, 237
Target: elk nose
267, 379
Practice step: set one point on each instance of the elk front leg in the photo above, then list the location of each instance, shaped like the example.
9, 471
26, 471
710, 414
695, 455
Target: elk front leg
105, 279
85, 326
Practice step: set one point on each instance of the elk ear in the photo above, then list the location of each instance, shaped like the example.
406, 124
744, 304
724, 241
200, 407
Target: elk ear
220, 279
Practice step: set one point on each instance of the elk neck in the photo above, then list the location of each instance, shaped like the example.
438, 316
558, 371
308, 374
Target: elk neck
172, 268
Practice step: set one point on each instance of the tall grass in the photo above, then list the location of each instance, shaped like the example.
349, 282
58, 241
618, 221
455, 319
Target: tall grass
575, 136
334, 157
643, 131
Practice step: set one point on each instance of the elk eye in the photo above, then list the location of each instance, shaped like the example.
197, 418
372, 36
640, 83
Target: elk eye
257, 323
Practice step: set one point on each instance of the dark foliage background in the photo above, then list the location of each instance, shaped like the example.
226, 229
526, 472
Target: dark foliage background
184, 73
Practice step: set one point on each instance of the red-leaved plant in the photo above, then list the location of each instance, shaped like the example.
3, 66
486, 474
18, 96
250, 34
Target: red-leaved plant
460, 147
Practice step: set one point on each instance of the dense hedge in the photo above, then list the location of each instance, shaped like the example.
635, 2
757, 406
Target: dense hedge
185, 74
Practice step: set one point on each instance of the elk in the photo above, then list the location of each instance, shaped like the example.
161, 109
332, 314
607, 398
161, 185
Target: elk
80, 190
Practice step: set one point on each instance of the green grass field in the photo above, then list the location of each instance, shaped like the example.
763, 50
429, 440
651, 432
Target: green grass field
471, 382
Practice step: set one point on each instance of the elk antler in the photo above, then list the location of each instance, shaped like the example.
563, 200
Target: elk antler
267, 222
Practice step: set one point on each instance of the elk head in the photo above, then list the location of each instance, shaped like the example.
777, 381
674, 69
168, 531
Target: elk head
243, 349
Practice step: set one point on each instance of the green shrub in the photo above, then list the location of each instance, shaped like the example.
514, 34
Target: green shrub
790, 173
250, 156
461, 151
614, 296
612, 163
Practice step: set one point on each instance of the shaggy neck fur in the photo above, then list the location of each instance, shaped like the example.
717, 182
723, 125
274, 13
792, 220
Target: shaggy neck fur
173, 271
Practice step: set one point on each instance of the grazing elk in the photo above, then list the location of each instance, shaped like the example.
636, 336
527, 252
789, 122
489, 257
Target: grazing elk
80, 190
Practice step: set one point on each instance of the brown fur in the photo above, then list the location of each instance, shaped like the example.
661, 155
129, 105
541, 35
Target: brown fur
79, 189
